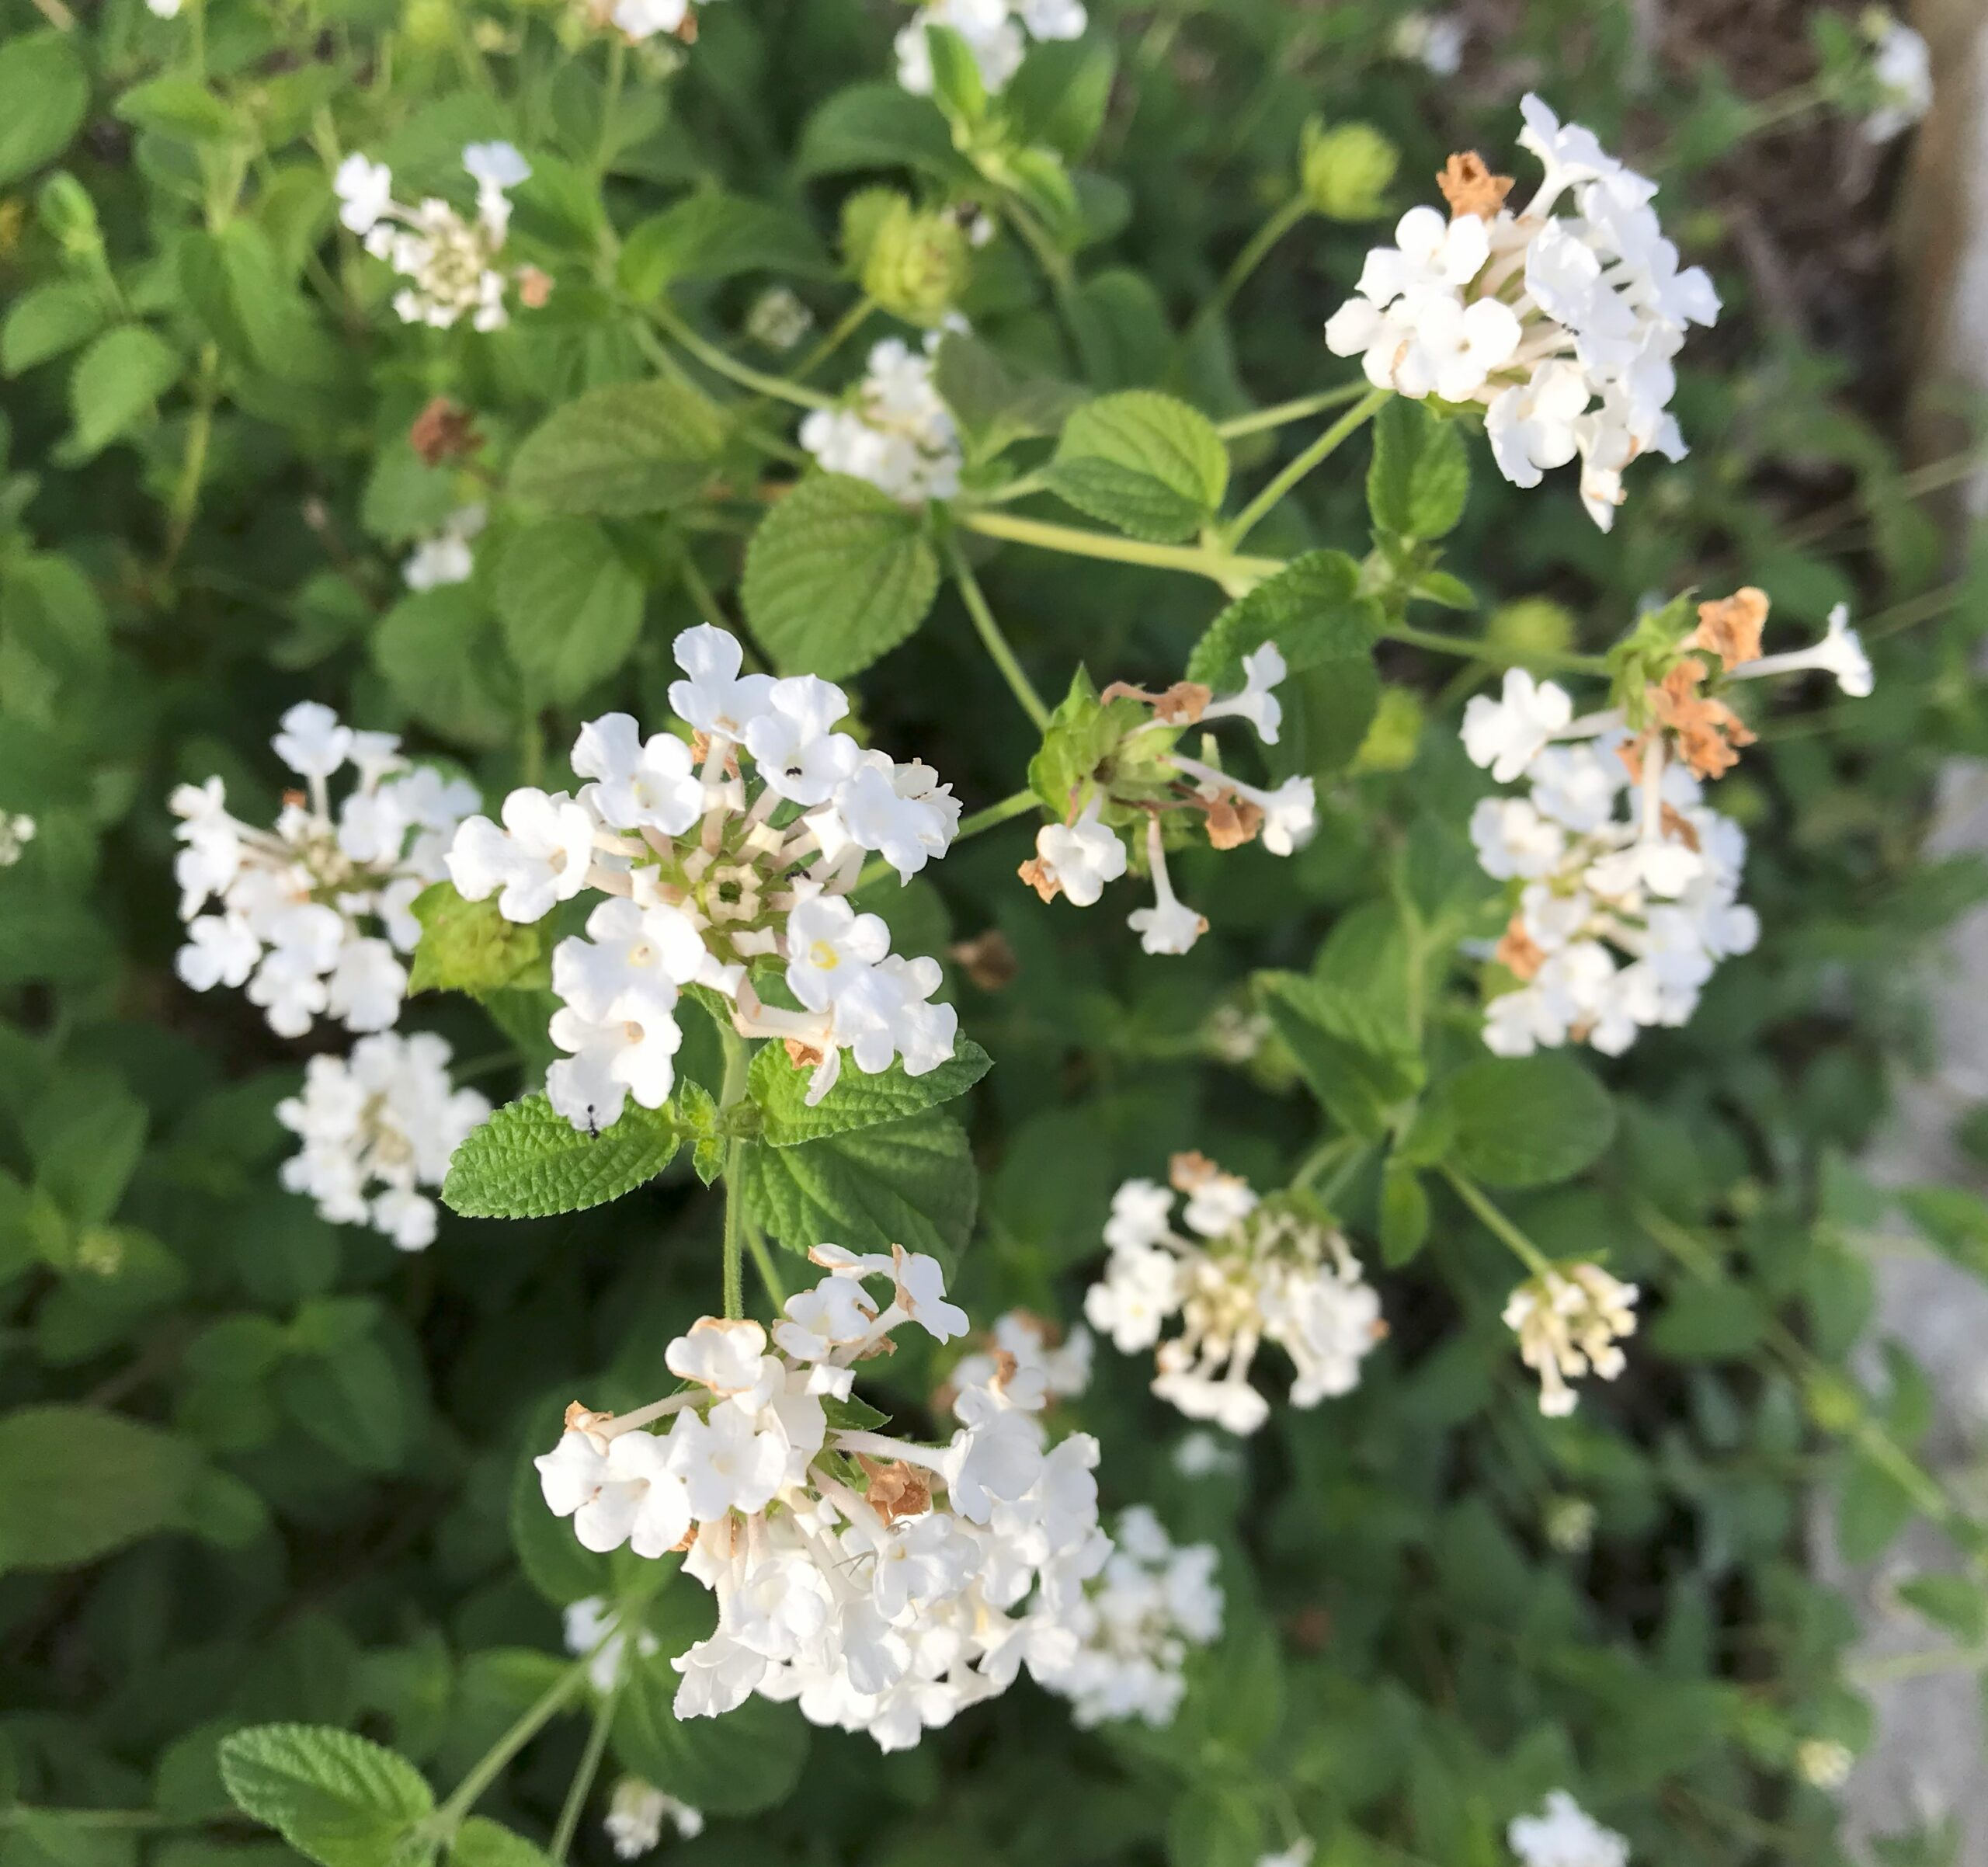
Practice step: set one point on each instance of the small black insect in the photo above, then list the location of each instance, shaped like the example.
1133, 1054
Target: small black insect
593, 1126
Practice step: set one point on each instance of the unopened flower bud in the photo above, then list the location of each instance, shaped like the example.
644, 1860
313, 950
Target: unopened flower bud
1532, 625
915, 265
67, 213
1345, 169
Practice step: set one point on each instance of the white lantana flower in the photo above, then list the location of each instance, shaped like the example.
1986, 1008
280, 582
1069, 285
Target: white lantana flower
313, 916
896, 431
1077, 857
1138, 1620
1564, 325
881, 1583
446, 558
1024, 1351
450, 262
996, 33
1625, 885
637, 1810
1566, 1836
377, 1127
722, 857
1568, 1323
1902, 67
1435, 41
1244, 1272
17, 831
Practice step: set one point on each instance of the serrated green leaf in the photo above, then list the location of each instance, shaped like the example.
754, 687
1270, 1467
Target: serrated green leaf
529, 1161
620, 452
1950, 1601
908, 1183
468, 945
1420, 477
44, 92
957, 87
178, 104
117, 385
1345, 1048
1404, 1216
716, 236
837, 575
1311, 609
441, 653
48, 321
480, 1842
995, 405
879, 126
570, 606
1528, 1121
856, 1101
1081, 732
1143, 461
334, 1796
77, 1482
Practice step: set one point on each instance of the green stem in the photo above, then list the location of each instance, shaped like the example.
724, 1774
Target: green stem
618, 65
1493, 652
737, 1064
1007, 811
1468, 1192
838, 334
1354, 419
702, 594
1055, 263
1328, 1153
1194, 559
449, 1817
762, 1262
194, 464
1281, 414
20, 1813
1280, 222
996, 643
575, 1806
724, 364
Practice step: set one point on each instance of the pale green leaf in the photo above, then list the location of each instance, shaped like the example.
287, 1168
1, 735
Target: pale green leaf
570, 606
76, 1482
333, 1796
528, 1162
1528, 1121
44, 91
1420, 477
1149, 464
619, 452
856, 1101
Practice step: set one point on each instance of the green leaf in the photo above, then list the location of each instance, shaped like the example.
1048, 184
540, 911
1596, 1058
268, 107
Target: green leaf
117, 385
341, 1800
1404, 1216
1528, 1121
1950, 1601
1720, 1321
480, 1842
879, 126
716, 236
620, 452
234, 281
1081, 732
995, 405
48, 321
1144, 462
1420, 478
570, 606
1214, 1825
908, 1183
856, 1101
44, 92
528, 1162
1346, 1050
741, 1764
956, 85
178, 104
467, 946
1060, 97
1872, 1508
1311, 609
440, 653
837, 575
76, 1482
352, 1401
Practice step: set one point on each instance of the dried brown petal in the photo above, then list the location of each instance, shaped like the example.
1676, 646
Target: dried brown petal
1470, 187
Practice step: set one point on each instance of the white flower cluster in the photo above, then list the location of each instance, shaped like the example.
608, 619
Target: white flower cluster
1565, 325
1566, 1836
882, 1584
1152, 1603
388, 1118
449, 262
1568, 1323
702, 867
1435, 41
17, 831
1902, 69
447, 557
296, 902
996, 31
636, 1813
897, 433
1250, 1273
1022, 1344
1627, 884
1077, 857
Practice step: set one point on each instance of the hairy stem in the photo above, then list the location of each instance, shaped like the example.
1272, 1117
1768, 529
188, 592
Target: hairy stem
575, 1806
738, 1063
1281, 414
996, 643
1495, 654
1354, 419
449, 1817
1193, 558
723, 363
1281, 220
1496, 1222
1019, 806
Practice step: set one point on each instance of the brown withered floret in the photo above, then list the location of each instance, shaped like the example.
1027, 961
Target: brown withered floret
1518, 952
445, 430
1731, 627
988, 959
1233, 822
896, 1490
1709, 734
1470, 187
1035, 872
